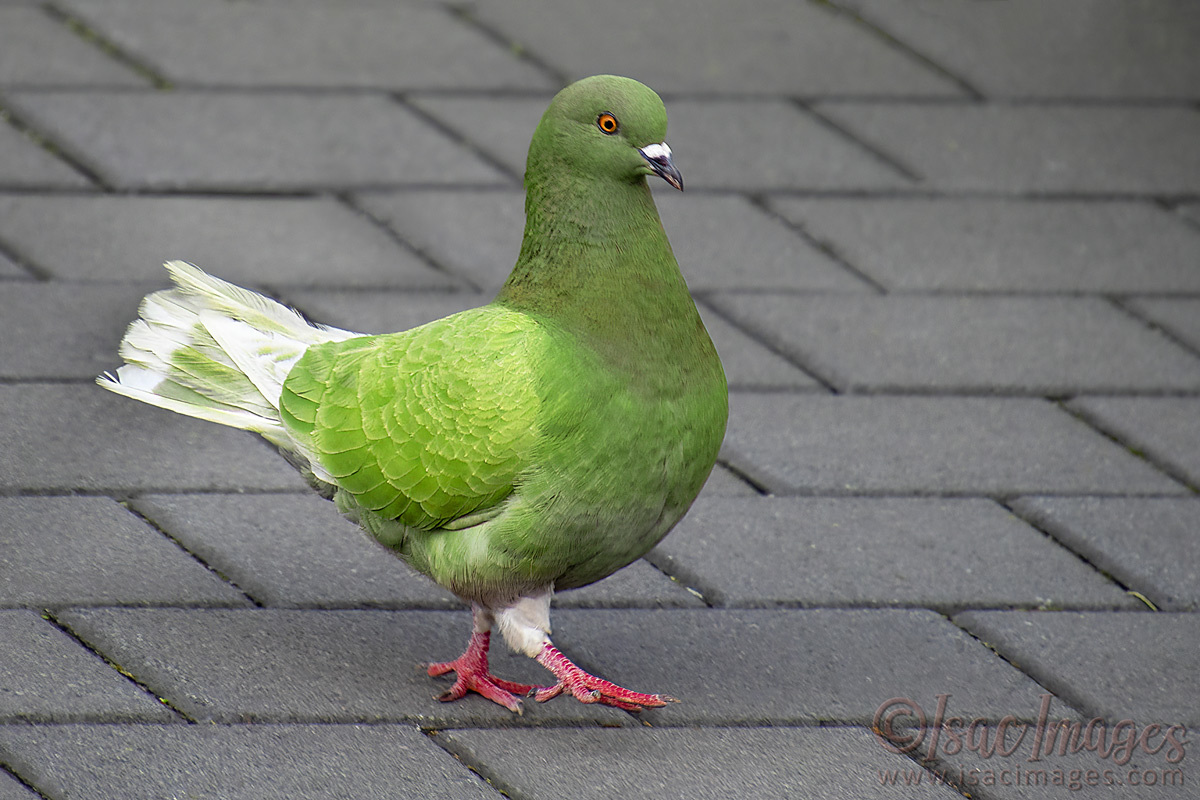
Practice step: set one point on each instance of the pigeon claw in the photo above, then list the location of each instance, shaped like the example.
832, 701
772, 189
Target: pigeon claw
472, 675
587, 688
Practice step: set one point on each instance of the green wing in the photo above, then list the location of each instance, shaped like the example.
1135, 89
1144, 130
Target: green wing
424, 426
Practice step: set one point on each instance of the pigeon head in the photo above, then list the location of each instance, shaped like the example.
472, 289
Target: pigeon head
604, 127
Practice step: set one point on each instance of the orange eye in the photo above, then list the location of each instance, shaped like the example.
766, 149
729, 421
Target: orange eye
607, 123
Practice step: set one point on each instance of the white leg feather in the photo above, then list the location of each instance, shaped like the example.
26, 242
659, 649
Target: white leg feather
525, 624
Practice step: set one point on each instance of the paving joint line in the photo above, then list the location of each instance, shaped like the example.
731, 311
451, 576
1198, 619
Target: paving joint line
941, 494
1191, 222
348, 200
924, 762
1169, 202
1048, 530
759, 201
60, 152
464, 14
704, 297
441, 127
938, 291
1073, 704
10, 770
417, 292
51, 617
89, 34
463, 755
883, 157
1053, 394
123, 494
154, 524
1164, 466
693, 587
14, 255
945, 609
900, 46
1121, 304
1065, 694
758, 486
955, 193
53, 380
744, 468
1003, 101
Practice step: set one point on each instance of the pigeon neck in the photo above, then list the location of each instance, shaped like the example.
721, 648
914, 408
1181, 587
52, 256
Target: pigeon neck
595, 260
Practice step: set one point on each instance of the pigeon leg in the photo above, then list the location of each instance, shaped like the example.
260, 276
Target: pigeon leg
588, 688
473, 675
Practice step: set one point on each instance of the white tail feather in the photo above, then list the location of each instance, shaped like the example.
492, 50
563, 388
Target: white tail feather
265, 358
218, 352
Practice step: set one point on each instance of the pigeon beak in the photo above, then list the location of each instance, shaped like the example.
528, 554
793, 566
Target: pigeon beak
659, 158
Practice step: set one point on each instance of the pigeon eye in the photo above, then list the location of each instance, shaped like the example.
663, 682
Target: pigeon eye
607, 123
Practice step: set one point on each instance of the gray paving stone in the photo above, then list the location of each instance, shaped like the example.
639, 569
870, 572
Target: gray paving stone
12, 789
817, 763
10, 270
747, 363
250, 241
1098, 48
776, 667
1035, 148
244, 762
309, 44
263, 141
296, 551
66, 438
1150, 677
937, 553
783, 48
499, 126
47, 677
276, 666
291, 550
1147, 543
977, 244
25, 165
1029, 345
637, 586
57, 551
434, 222
747, 145
37, 51
721, 241
1179, 316
1164, 428
56, 330
723, 483
924, 445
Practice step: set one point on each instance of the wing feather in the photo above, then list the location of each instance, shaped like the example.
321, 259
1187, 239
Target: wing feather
425, 426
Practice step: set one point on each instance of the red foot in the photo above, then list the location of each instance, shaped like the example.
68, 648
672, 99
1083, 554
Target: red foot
473, 676
588, 688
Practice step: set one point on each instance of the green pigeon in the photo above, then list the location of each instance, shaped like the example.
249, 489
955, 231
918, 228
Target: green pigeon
535, 444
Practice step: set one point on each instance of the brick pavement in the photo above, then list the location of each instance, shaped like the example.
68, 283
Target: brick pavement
949, 251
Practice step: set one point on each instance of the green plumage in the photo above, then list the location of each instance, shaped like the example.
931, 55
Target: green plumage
551, 437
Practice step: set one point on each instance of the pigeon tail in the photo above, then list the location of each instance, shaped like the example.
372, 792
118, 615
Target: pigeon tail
215, 351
